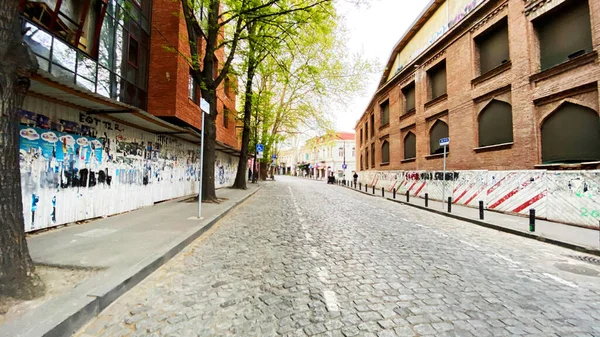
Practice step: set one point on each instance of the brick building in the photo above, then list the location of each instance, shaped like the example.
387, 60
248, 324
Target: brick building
90, 141
173, 94
513, 83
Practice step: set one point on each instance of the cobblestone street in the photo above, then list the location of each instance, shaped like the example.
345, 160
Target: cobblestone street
302, 258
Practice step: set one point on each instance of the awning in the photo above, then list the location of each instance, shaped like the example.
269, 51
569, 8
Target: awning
49, 88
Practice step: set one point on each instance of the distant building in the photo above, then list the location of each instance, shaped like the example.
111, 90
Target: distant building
325, 154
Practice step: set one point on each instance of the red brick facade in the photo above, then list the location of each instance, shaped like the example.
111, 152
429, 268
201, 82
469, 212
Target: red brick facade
533, 93
169, 75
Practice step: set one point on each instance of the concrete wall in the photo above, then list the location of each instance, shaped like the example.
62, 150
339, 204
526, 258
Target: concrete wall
571, 197
76, 166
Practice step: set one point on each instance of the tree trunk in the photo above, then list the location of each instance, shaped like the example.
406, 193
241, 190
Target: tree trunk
210, 140
240, 177
17, 272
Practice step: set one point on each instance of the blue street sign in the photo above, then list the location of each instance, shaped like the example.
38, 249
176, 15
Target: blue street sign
274, 156
445, 141
310, 166
260, 148
344, 166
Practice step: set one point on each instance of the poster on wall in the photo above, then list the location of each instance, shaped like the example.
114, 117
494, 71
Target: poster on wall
59, 145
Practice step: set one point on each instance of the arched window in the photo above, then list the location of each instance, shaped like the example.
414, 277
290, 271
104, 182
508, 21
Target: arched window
571, 134
495, 124
373, 155
438, 131
410, 146
385, 152
367, 158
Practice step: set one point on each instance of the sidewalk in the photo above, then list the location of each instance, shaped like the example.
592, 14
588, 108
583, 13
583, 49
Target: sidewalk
126, 247
573, 237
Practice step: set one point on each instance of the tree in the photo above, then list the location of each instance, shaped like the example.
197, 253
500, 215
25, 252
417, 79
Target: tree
300, 68
222, 28
17, 63
297, 87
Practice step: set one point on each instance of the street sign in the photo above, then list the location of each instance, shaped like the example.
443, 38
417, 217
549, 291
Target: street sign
445, 141
260, 148
310, 166
344, 166
259, 155
274, 156
204, 106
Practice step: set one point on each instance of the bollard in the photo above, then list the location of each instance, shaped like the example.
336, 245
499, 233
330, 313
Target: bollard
359, 186
532, 220
366, 188
407, 196
373, 189
394, 193
480, 209
426, 199
382, 192
449, 204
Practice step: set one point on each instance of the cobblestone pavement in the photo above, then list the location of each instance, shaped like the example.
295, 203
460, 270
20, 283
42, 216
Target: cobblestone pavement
302, 258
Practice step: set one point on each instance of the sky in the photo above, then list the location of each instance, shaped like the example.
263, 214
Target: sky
374, 29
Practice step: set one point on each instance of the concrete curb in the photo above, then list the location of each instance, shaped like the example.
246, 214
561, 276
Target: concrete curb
487, 224
101, 297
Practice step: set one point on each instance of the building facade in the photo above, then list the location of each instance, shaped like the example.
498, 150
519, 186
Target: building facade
335, 153
514, 85
89, 146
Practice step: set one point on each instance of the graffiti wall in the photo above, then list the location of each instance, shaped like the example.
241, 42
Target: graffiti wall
76, 166
225, 169
569, 197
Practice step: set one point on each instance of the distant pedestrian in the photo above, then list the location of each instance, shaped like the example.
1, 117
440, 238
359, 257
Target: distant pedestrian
355, 176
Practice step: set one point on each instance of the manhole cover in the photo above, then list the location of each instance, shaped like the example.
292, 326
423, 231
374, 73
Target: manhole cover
580, 270
588, 259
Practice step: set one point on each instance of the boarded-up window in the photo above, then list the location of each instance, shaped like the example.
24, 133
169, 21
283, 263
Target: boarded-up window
493, 47
385, 152
437, 80
361, 162
410, 146
372, 126
409, 97
564, 33
361, 139
438, 131
367, 158
495, 124
372, 155
384, 108
366, 131
571, 135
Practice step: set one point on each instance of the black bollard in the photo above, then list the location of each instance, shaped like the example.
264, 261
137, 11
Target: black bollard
480, 209
426, 199
366, 188
373, 189
360, 186
449, 204
532, 220
394, 193
407, 196
382, 192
